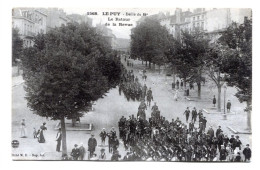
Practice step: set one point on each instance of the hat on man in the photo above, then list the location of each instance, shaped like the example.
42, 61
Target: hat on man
102, 149
247, 144
75, 145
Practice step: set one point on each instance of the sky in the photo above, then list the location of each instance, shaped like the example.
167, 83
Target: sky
118, 31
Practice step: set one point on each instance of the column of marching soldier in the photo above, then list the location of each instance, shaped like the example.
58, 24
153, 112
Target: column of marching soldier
157, 139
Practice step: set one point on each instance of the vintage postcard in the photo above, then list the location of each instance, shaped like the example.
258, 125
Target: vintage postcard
132, 84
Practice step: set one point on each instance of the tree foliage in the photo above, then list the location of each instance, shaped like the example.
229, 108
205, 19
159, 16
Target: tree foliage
238, 59
189, 55
67, 69
150, 41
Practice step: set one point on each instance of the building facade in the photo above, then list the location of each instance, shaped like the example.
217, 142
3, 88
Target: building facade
56, 18
108, 34
29, 22
212, 21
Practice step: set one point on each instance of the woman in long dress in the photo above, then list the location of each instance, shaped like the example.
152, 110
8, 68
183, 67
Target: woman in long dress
23, 129
41, 138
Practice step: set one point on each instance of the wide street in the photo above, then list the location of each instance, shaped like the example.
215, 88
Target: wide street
112, 107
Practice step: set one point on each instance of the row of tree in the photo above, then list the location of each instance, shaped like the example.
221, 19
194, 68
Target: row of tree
225, 58
66, 70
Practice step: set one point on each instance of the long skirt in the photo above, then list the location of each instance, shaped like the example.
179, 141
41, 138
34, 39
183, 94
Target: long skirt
41, 139
23, 132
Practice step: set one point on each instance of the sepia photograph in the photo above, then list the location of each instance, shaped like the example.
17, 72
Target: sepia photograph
131, 84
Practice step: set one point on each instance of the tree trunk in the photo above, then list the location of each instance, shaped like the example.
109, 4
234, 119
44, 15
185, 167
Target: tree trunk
63, 131
199, 83
142, 62
73, 121
159, 69
248, 116
173, 74
149, 64
145, 63
219, 98
184, 83
199, 90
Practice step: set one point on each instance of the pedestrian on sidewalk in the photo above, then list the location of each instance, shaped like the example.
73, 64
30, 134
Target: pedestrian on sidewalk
82, 152
247, 153
214, 101
181, 84
228, 106
103, 135
41, 138
178, 84
58, 139
173, 85
92, 143
187, 114
23, 129
75, 152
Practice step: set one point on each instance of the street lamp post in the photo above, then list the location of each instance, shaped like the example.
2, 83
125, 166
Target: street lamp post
224, 115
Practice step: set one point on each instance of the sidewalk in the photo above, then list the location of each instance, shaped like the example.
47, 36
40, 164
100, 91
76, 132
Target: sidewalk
17, 80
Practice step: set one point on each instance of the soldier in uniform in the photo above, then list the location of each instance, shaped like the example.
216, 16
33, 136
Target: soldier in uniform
218, 131
191, 126
210, 132
223, 153
187, 114
149, 96
194, 114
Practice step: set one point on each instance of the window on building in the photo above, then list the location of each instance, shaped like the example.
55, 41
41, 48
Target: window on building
198, 17
198, 24
193, 18
202, 25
